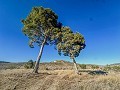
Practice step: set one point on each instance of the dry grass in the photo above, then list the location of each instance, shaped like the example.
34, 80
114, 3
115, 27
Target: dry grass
21, 79
109, 82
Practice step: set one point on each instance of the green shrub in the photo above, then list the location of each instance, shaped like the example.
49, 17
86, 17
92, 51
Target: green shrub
107, 68
83, 66
94, 66
116, 68
29, 64
113, 68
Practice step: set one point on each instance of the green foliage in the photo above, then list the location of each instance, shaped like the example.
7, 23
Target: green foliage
41, 24
94, 66
107, 68
71, 43
83, 66
42, 27
112, 68
116, 68
29, 64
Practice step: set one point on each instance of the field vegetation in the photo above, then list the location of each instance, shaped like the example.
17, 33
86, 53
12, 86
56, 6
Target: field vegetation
59, 75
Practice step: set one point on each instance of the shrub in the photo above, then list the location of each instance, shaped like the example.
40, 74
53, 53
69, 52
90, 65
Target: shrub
107, 68
116, 68
94, 66
83, 66
29, 64
112, 68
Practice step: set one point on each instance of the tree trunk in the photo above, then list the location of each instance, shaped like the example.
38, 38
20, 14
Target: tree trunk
36, 67
75, 66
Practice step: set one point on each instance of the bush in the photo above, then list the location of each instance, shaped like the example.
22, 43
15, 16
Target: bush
107, 68
116, 68
94, 66
29, 64
83, 66
112, 68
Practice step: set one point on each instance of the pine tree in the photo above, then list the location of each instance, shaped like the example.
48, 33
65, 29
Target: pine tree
42, 27
71, 45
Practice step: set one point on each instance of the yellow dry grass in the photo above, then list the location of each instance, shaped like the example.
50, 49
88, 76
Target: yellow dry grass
21, 79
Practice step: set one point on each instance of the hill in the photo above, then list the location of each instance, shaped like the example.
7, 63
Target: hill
54, 65
4, 62
115, 64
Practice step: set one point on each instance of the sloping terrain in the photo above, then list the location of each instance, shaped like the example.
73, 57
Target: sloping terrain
55, 65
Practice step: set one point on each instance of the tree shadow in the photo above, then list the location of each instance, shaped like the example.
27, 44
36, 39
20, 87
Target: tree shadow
98, 72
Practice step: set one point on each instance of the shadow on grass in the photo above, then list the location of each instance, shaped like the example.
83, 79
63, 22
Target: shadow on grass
98, 72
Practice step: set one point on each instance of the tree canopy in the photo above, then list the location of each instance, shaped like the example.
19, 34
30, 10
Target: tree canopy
41, 23
42, 27
71, 43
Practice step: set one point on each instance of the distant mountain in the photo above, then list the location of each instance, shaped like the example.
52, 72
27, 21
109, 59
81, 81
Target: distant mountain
115, 64
4, 62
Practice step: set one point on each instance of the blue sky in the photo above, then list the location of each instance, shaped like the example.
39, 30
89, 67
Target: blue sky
97, 20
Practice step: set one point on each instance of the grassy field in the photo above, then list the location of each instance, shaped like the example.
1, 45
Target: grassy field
21, 79
58, 76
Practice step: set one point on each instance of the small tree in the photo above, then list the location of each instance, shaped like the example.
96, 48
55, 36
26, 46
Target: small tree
71, 45
41, 27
